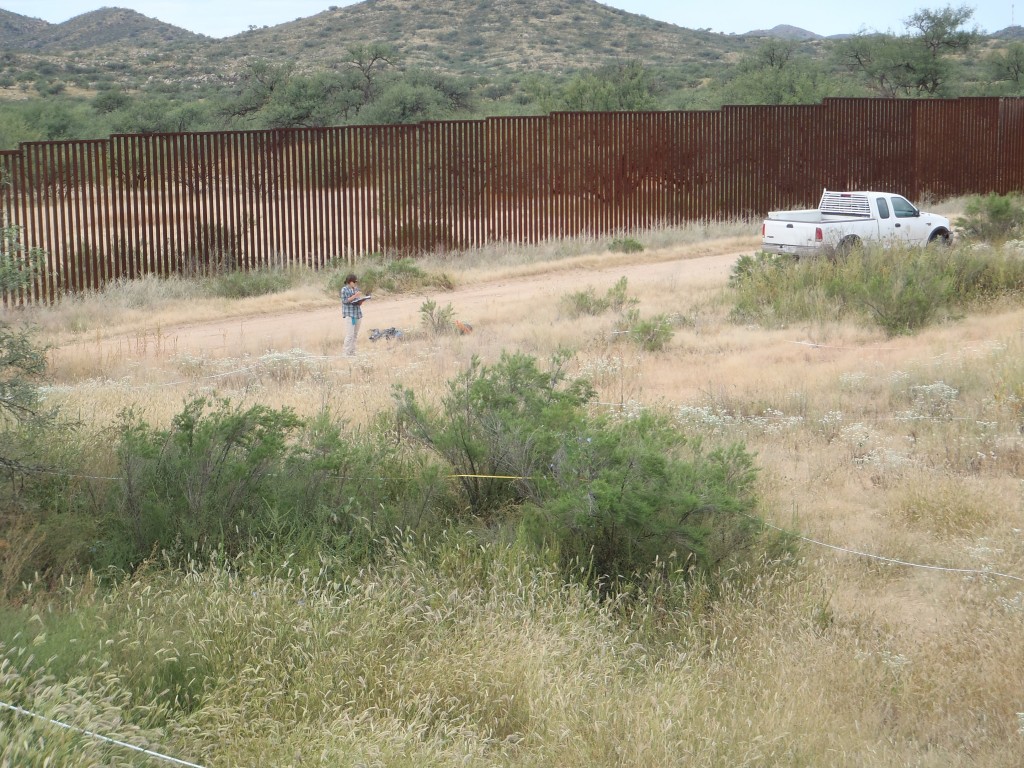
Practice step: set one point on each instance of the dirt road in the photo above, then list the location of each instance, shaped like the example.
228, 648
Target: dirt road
319, 328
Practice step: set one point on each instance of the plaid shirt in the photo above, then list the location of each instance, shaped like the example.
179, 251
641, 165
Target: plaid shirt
350, 310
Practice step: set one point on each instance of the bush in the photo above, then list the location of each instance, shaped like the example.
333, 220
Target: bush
498, 427
623, 496
625, 245
22, 366
994, 218
901, 290
652, 335
395, 276
903, 297
46, 502
435, 320
222, 479
584, 302
19, 265
588, 303
611, 498
243, 285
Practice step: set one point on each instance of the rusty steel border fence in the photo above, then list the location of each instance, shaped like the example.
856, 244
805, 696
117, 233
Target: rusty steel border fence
201, 203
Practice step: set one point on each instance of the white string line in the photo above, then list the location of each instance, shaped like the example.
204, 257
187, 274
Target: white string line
992, 344
816, 345
742, 420
894, 561
261, 363
99, 736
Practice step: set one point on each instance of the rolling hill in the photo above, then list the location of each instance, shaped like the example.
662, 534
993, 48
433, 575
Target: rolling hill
469, 37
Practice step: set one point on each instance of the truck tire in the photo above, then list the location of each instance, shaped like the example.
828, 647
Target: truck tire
846, 246
940, 237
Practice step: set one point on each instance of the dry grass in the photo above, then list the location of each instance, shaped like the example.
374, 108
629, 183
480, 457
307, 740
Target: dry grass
909, 450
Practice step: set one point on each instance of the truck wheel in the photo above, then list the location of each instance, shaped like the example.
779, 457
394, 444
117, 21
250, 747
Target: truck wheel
846, 246
940, 237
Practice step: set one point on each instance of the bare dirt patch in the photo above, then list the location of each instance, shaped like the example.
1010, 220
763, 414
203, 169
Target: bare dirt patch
320, 328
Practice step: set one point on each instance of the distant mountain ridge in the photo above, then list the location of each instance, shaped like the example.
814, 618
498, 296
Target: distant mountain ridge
469, 37
21, 32
785, 32
95, 29
108, 25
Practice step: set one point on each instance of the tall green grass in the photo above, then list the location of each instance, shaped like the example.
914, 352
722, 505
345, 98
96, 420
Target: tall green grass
898, 290
459, 651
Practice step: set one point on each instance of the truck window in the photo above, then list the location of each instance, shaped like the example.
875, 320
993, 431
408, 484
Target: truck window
883, 208
902, 208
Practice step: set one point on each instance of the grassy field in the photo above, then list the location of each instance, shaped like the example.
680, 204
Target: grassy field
894, 638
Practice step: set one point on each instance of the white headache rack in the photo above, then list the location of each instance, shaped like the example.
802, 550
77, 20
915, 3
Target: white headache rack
845, 203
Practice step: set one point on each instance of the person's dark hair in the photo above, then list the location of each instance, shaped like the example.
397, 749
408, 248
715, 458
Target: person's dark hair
351, 278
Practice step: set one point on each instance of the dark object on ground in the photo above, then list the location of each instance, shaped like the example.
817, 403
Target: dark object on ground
387, 333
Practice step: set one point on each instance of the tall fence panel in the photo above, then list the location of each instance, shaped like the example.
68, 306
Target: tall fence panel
1010, 167
523, 198
871, 145
202, 203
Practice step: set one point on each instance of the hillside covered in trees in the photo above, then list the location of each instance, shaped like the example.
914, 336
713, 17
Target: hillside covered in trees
404, 61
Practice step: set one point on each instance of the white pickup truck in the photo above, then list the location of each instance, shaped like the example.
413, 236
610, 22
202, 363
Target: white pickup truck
844, 220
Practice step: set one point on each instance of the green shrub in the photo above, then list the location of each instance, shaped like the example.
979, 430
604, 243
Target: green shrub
610, 497
19, 265
498, 426
22, 366
623, 496
901, 290
222, 479
242, 285
585, 302
903, 296
437, 321
652, 334
751, 267
995, 218
588, 303
625, 245
617, 297
393, 276
48, 501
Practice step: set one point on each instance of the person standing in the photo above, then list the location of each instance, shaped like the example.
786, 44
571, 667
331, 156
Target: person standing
351, 311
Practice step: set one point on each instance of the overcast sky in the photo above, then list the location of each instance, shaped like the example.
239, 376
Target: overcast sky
222, 18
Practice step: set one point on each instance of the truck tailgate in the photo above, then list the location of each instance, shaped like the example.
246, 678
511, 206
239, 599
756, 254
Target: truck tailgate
791, 237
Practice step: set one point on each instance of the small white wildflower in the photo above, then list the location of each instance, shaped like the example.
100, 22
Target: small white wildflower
832, 417
851, 381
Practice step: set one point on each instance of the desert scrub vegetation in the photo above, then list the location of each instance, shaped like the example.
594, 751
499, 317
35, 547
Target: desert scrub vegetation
467, 651
512, 451
241, 284
587, 302
625, 245
403, 275
610, 497
992, 218
437, 321
404, 628
18, 264
651, 334
898, 290
508, 452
